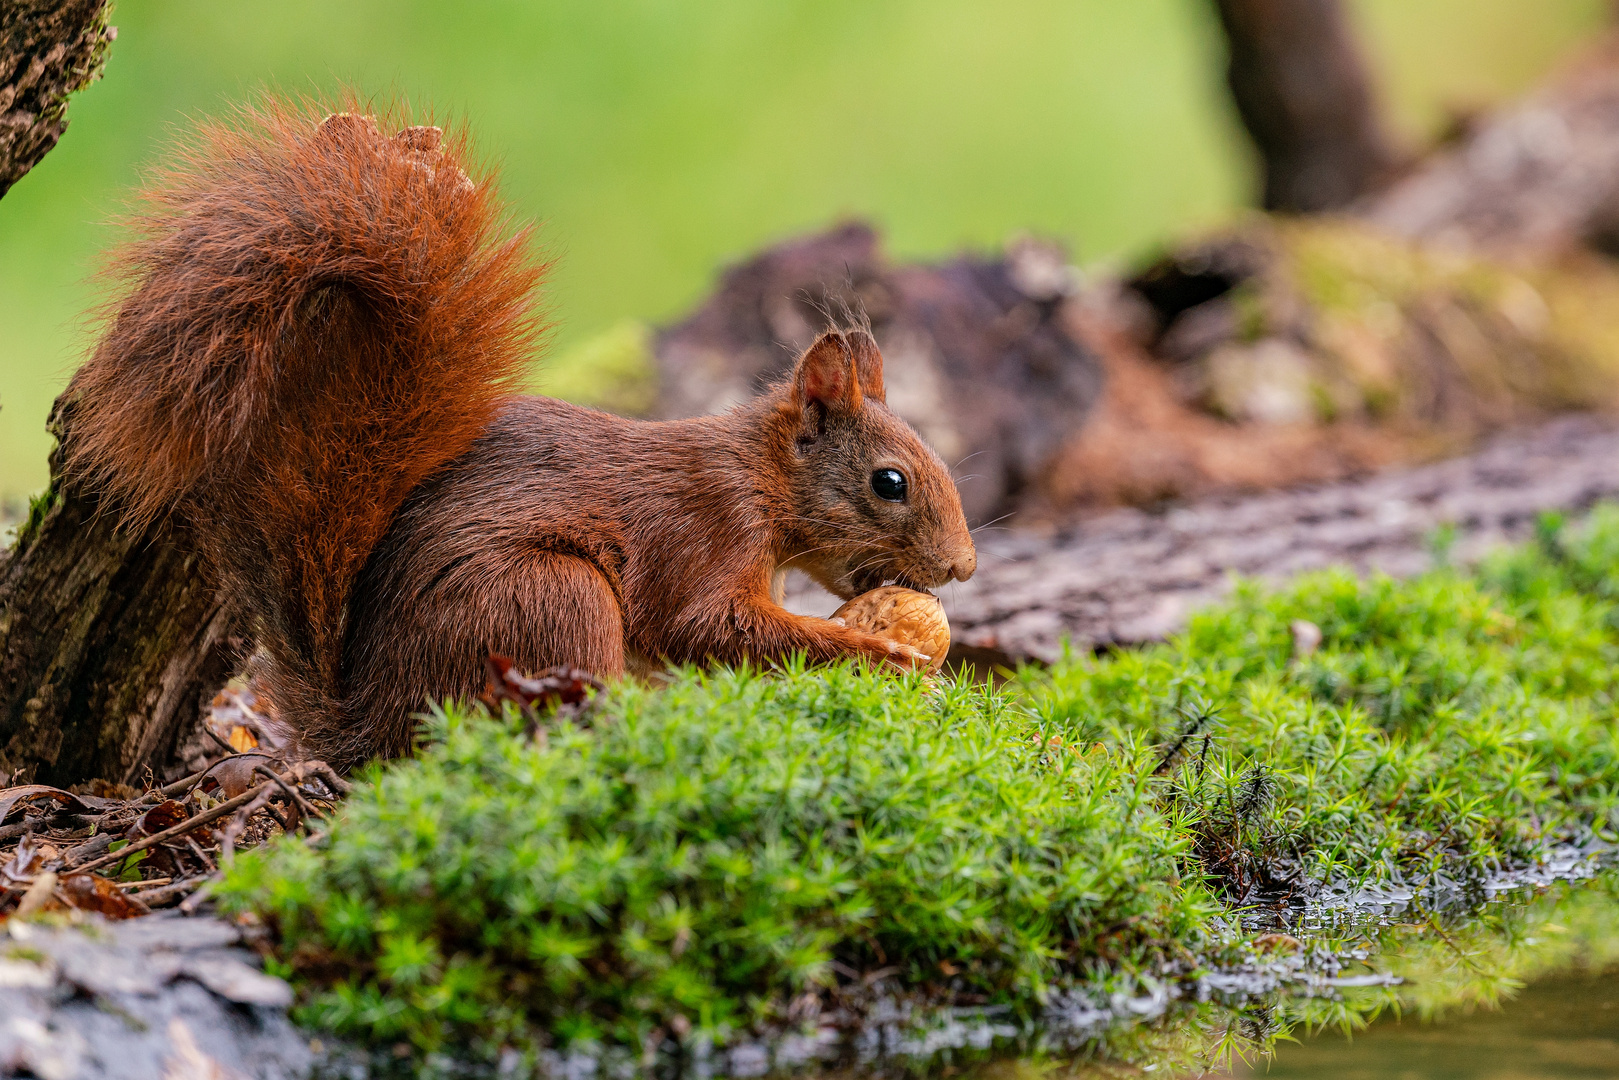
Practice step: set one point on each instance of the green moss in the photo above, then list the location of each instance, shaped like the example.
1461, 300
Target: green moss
1253, 320
710, 852
38, 507
1544, 335
1447, 725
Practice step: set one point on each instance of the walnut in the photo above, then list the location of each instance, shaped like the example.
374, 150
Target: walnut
904, 615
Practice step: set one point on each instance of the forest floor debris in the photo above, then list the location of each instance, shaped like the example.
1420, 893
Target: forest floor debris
112, 963
120, 853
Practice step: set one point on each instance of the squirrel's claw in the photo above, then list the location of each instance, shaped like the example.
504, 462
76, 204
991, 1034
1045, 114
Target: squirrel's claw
909, 655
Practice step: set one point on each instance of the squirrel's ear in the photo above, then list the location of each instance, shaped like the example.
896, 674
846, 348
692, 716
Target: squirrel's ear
826, 373
347, 127
868, 364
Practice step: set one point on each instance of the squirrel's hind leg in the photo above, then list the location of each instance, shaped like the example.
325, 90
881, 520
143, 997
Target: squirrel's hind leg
571, 616
541, 609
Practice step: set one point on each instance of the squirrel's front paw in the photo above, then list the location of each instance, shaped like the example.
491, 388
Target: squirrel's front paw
910, 625
905, 657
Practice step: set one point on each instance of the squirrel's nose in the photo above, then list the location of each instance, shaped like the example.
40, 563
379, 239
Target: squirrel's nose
965, 564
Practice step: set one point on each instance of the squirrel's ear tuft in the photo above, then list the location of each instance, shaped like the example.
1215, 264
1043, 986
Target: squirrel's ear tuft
827, 373
868, 364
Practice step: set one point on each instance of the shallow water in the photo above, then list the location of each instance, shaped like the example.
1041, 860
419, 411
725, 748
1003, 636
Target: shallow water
1559, 1029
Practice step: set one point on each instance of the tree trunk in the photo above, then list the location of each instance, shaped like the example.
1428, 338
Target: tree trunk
110, 644
48, 50
1303, 94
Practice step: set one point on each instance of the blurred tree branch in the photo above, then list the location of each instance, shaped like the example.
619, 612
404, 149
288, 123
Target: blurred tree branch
1305, 97
48, 50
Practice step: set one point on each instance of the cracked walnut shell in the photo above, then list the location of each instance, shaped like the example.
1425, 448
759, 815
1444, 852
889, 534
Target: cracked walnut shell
902, 615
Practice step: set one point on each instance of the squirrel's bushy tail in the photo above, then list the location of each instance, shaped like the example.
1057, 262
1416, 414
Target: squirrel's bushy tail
316, 316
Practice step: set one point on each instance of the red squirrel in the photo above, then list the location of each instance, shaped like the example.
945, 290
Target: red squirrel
313, 364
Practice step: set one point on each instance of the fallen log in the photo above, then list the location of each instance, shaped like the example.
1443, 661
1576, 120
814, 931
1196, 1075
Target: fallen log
1537, 179
980, 358
1133, 576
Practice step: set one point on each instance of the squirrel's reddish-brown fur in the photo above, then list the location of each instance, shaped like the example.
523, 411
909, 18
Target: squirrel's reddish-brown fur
313, 365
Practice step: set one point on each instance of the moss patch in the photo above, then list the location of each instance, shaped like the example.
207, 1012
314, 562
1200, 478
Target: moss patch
737, 852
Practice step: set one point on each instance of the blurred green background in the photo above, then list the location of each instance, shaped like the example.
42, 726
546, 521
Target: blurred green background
657, 140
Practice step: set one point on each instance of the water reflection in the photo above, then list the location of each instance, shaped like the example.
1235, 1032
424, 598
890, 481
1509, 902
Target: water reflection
1560, 1029
1429, 996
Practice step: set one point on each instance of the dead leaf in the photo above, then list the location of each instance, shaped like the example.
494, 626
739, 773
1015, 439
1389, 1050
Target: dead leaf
24, 861
565, 689
235, 775
165, 815
92, 892
11, 798
38, 895
249, 709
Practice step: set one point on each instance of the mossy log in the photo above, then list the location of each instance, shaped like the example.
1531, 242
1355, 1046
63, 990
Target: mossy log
1133, 576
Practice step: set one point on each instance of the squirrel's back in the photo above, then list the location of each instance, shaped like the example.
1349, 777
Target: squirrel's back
316, 316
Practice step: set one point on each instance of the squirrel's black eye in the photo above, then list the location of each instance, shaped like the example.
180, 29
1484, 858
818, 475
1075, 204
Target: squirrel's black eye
889, 484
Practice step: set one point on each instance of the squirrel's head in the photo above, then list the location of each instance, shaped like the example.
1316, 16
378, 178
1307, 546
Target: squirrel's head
871, 502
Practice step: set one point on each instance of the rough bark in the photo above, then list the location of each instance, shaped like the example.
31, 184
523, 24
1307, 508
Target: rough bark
48, 50
1133, 576
1302, 91
110, 644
